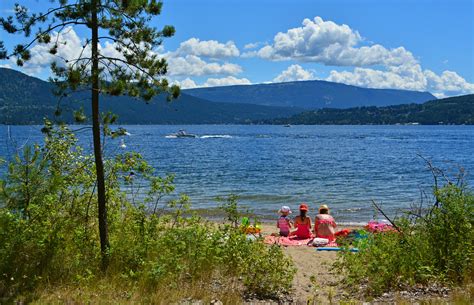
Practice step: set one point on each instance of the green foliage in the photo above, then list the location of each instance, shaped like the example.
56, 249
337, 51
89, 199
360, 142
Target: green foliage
454, 110
450, 226
135, 70
267, 270
138, 72
45, 203
437, 246
49, 236
230, 207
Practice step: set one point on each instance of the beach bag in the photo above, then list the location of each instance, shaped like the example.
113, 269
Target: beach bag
319, 242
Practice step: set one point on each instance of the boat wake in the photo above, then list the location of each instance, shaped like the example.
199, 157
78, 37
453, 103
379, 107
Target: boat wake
211, 136
216, 136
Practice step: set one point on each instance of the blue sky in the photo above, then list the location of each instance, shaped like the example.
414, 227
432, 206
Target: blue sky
405, 44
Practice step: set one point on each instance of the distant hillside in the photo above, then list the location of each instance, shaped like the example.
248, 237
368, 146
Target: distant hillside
27, 100
310, 95
453, 110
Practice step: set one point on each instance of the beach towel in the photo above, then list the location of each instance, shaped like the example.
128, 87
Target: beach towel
286, 241
374, 226
335, 249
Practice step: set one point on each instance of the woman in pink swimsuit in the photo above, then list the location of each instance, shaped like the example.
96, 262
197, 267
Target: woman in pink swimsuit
324, 224
302, 223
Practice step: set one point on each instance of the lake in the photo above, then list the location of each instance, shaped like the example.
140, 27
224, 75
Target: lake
268, 166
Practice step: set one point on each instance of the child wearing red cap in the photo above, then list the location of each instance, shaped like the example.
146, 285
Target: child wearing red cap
302, 223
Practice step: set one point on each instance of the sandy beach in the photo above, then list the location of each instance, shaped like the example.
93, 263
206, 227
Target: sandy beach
315, 280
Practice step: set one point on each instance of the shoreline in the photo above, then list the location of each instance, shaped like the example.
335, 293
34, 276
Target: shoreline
218, 216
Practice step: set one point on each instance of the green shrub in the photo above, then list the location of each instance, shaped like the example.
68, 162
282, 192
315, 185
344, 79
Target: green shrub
49, 236
437, 246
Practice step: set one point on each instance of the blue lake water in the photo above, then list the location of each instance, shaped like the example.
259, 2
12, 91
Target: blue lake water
267, 166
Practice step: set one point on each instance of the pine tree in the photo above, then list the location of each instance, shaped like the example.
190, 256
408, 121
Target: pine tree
136, 70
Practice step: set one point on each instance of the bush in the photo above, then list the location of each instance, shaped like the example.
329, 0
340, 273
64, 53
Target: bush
49, 236
436, 246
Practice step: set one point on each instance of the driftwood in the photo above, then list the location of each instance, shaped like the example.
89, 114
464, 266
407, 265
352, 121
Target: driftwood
385, 215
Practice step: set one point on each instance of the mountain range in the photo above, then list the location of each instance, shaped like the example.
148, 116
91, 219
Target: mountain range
27, 100
312, 94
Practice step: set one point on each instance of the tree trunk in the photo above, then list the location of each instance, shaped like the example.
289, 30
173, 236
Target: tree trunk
99, 165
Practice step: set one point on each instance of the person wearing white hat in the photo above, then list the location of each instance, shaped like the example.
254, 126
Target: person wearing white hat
284, 223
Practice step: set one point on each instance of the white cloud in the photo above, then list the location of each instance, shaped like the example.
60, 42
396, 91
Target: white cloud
331, 44
408, 77
439, 95
294, 73
448, 82
71, 47
192, 65
226, 81
186, 83
316, 40
252, 45
207, 48
187, 59
7, 11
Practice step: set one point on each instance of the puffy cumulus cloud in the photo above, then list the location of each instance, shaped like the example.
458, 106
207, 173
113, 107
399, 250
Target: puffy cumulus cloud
192, 65
335, 44
189, 83
226, 81
188, 60
252, 45
294, 73
377, 79
408, 77
329, 43
448, 82
313, 38
186, 83
71, 47
207, 48
439, 95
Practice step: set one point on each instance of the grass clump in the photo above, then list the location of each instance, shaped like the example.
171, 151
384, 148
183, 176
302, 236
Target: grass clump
49, 241
434, 245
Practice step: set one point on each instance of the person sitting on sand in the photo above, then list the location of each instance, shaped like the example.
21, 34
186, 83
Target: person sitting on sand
302, 223
284, 223
324, 224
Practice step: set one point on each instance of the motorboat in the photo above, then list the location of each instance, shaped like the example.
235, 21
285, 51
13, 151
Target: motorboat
182, 134
287, 125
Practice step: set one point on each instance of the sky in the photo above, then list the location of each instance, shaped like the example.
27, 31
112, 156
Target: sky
404, 44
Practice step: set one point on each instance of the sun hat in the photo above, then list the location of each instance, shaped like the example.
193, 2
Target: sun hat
284, 209
323, 207
303, 207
